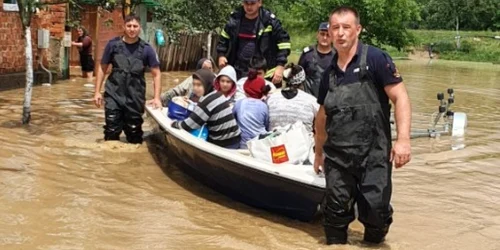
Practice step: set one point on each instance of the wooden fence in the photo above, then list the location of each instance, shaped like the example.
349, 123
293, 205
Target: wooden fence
183, 54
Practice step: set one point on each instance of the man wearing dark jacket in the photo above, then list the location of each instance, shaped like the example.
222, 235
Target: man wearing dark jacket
254, 31
315, 59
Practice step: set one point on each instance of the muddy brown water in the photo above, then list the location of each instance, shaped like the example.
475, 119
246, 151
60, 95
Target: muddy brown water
61, 187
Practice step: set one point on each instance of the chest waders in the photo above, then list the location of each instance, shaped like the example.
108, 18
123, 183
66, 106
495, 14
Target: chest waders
314, 73
357, 167
125, 94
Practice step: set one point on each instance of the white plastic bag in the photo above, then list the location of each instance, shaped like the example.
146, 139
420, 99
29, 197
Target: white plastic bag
291, 144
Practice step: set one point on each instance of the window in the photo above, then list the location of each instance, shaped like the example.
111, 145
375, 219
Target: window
10, 5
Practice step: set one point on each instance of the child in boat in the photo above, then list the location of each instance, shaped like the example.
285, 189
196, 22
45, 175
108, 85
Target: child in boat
213, 109
200, 88
226, 82
260, 65
251, 112
292, 104
186, 87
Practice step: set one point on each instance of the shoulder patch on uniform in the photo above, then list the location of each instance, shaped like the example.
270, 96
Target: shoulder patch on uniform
306, 49
273, 16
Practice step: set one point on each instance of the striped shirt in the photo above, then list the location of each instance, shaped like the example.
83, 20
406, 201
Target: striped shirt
214, 110
283, 111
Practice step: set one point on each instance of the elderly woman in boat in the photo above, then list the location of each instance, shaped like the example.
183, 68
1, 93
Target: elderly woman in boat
215, 110
292, 104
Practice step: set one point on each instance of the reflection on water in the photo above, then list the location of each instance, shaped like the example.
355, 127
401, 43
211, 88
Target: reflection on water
61, 187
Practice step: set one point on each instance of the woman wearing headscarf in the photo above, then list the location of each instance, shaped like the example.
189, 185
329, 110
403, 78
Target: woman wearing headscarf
84, 45
292, 104
185, 88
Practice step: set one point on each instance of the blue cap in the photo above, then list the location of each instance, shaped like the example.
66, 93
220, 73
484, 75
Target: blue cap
323, 26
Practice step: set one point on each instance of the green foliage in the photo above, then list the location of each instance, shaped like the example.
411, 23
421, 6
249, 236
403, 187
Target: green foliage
105, 6
384, 22
193, 15
471, 14
444, 47
478, 46
26, 10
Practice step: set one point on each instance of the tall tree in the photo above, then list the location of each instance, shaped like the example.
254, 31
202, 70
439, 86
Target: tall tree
188, 15
384, 21
466, 14
26, 10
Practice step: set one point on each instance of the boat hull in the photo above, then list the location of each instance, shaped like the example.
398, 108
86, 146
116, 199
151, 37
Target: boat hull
248, 185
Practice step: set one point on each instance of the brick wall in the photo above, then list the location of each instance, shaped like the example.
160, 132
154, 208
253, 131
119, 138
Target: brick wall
12, 44
108, 30
101, 29
12, 57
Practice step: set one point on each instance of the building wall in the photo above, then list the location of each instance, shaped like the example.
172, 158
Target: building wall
12, 57
12, 44
101, 29
110, 26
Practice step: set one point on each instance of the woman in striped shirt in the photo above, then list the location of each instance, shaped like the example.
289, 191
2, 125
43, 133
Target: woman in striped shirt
214, 110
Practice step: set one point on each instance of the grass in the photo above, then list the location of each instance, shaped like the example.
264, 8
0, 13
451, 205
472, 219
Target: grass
475, 45
300, 40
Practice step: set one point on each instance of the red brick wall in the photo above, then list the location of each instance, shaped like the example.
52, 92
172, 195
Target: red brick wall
108, 30
53, 19
101, 28
12, 56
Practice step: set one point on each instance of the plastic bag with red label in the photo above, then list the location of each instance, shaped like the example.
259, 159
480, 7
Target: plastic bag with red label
290, 144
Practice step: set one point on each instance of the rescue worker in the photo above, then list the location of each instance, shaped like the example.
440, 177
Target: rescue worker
353, 129
254, 31
125, 90
315, 59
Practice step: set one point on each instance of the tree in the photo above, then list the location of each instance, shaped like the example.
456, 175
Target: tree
384, 21
466, 14
26, 10
190, 15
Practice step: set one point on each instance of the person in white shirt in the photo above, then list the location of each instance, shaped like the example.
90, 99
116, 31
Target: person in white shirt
292, 104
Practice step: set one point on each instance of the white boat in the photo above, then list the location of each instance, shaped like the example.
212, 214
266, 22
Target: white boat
295, 191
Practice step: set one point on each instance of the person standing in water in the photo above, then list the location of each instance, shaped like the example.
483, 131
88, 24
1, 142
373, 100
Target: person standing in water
125, 90
315, 59
353, 131
254, 31
84, 45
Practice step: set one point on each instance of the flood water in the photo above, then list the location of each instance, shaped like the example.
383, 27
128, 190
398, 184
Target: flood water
61, 187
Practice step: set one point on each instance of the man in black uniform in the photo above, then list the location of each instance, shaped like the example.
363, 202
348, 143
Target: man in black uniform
315, 59
353, 128
253, 31
125, 90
